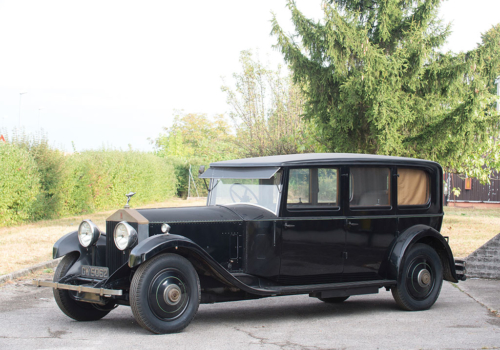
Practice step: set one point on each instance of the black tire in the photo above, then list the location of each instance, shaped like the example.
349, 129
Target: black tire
77, 310
336, 300
165, 294
421, 279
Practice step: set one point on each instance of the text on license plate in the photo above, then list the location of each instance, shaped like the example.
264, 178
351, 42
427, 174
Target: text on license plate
95, 271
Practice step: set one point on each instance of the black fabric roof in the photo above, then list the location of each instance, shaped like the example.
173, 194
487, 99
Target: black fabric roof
314, 159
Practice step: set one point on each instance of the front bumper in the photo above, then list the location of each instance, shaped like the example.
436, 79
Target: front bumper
79, 288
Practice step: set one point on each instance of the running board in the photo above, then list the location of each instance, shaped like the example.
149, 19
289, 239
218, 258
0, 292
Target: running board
330, 289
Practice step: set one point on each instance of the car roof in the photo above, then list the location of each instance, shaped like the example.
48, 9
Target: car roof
318, 159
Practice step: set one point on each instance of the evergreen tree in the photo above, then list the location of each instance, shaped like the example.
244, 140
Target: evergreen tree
375, 82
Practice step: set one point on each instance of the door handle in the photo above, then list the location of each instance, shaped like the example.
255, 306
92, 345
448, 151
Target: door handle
353, 223
288, 225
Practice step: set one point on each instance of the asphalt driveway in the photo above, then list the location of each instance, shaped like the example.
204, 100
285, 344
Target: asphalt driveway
461, 319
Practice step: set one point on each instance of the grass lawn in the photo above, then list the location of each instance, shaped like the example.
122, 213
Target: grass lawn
26, 245
469, 228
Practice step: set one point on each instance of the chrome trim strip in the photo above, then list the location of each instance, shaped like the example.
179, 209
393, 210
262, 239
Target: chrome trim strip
80, 289
311, 218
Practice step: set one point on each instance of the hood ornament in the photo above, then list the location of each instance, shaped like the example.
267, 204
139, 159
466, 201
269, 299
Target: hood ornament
129, 195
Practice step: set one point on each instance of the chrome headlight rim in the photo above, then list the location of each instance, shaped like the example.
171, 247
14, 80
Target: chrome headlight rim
123, 242
88, 233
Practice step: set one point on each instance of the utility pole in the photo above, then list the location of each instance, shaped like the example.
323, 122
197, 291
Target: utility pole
20, 95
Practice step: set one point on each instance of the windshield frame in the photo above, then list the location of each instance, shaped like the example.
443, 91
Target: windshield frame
214, 182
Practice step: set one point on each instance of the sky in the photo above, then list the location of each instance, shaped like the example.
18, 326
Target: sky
109, 74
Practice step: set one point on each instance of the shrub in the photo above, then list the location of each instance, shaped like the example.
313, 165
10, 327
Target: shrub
50, 164
97, 180
19, 185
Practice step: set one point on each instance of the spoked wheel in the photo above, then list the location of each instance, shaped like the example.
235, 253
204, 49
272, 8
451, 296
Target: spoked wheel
165, 294
420, 283
77, 310
335, 300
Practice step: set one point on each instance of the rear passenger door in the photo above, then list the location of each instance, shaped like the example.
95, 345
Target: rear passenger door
312, 226
371, 223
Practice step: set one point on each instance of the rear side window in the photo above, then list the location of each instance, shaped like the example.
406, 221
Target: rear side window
369, 187
413, 187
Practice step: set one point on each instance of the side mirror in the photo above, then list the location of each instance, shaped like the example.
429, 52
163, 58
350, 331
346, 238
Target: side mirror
201, 170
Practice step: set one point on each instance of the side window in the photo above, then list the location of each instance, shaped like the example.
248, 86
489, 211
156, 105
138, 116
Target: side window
369, 187
312, 188
413, 187
298, 186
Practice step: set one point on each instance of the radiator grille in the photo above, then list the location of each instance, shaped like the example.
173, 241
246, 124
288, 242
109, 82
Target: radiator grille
114, 256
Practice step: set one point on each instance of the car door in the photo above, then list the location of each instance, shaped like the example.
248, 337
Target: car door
371, 222
312, 227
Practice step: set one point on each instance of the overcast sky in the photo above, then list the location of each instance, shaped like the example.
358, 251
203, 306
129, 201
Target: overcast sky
110, 73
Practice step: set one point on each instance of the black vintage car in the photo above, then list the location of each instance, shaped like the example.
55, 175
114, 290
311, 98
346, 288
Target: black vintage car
327, 225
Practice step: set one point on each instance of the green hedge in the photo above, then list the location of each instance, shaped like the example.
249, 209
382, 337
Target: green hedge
19, 185
38, 182
97, 180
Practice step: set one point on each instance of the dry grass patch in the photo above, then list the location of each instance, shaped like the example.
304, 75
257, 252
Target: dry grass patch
469, 228
26, 245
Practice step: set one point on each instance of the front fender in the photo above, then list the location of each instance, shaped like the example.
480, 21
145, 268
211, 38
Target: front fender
69, 243
421, 234
157, 244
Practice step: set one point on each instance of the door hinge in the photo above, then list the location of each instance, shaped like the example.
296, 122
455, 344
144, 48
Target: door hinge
344, 254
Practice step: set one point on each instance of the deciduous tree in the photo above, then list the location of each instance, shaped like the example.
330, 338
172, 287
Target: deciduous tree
267, 108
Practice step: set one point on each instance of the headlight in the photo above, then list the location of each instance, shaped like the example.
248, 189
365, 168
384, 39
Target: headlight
125, 236
165, 228
88, 233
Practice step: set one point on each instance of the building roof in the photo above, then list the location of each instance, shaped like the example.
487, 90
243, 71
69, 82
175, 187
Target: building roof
316, 159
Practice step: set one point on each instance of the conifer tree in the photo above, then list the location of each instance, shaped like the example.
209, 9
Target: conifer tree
375, 82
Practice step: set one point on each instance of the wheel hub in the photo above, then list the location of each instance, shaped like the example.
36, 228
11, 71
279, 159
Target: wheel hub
424, 278
419, 278
168, 294
172, 294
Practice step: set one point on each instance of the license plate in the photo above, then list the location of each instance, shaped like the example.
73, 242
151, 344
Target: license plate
95, 272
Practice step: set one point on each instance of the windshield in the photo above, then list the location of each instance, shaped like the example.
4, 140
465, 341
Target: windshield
260, 192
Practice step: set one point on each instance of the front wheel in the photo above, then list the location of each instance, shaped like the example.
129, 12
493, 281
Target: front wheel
77, 310
165, 294
420, 282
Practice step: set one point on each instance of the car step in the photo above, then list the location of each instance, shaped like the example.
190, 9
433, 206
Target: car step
461, 269
343, 287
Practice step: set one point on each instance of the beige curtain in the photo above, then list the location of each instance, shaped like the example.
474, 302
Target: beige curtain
413, 187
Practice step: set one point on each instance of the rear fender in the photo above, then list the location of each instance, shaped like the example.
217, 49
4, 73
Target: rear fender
421, 234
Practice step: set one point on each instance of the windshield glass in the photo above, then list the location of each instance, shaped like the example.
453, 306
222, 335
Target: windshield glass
260, 192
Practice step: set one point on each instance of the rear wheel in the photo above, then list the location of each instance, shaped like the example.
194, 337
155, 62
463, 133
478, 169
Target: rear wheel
420, 283
77, 310
165, 294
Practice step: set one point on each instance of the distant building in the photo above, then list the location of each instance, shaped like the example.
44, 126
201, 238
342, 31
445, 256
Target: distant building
472, 192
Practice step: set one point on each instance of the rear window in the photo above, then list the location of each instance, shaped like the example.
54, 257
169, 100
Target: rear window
413, 187
369, 187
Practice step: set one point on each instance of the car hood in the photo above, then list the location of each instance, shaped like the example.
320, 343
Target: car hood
219, 213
